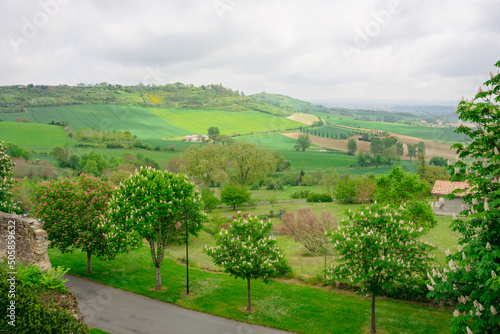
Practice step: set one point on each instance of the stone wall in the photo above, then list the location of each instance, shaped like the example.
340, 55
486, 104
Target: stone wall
448, 207
31, 240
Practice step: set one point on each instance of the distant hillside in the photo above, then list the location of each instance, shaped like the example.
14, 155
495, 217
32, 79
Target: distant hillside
295, 105
411, 115
15, 99
288, 103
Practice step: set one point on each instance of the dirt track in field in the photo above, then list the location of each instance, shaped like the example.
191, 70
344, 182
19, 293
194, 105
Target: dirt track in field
432, 148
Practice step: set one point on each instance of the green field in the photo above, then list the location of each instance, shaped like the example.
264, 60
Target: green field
33, 136
316, 158
273, 141
311, 159
198, 121
139, 121
446, 135
152, 125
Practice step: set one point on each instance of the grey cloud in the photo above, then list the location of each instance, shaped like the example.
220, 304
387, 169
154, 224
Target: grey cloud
290, 47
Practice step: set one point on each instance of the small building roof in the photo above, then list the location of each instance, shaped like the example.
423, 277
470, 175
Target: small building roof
442, 187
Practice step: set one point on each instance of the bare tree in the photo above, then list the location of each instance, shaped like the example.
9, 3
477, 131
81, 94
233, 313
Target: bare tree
309, 229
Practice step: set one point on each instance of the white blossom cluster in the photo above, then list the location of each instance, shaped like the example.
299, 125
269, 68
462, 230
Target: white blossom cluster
377, 246
246, 249
470, 274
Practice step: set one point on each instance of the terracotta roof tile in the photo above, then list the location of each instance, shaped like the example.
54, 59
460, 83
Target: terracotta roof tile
442, 187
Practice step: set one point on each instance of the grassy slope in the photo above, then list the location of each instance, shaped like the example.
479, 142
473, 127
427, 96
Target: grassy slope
443, 237
178, 95
291, 307
139, 121
198, 121
33, 136
151, 125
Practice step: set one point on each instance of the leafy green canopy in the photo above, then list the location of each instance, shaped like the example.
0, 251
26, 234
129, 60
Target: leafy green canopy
234, 195
399, 186
151, 204
471, 275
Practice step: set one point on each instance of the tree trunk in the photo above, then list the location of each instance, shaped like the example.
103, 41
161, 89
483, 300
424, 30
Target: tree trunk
249, 305
158, 278
89, 262
373, 313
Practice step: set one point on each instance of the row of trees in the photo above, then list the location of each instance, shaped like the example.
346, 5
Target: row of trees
91, 215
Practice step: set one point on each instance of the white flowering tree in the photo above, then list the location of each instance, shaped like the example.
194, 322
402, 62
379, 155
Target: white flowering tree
246, 249
376, 249
152, 203
471, 273
6, 182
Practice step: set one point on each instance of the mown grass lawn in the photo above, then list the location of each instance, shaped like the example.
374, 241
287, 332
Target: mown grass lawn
292, 307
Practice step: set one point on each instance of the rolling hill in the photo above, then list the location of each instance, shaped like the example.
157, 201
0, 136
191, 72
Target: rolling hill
153, 126
15, 99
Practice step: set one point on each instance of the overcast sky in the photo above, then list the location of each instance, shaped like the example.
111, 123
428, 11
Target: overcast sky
420, 50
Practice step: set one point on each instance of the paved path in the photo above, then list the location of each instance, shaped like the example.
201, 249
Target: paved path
120, 312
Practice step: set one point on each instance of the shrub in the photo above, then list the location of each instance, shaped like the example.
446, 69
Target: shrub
114, 145
36, 308
274, 185
33, 277
216, 222
208, 198
300, 194
273, 199
307, 180
290, 179
234, 195
309, 229
315, 197
255, 186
